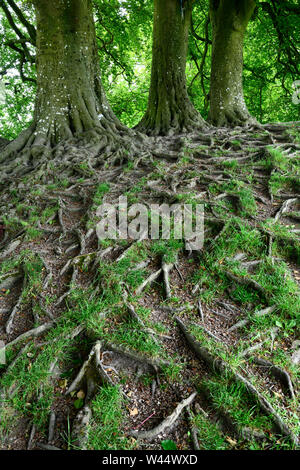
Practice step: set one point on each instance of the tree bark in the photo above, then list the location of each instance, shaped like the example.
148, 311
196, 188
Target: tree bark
229, 20
70, 99
169, 107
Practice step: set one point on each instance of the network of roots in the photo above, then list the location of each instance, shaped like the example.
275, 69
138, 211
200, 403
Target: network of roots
125, 344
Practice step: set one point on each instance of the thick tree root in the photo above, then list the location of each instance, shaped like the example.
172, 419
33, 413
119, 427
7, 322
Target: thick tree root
148, 281
34, 333
156, 364
167, 423
80, 428
85, 370
99, 365
10, 249
9, 281
51, 430
234, 117
194, 430
285, 208
245, 281
242, 323
279, 374
10, 321
43, 446
200, 310
31, 437
221, 367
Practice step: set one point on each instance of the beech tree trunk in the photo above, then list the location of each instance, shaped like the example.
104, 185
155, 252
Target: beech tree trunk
169, 107
70, 99
229, 20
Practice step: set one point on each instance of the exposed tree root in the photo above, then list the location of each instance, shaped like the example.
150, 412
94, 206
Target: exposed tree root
235, 117
242, 323
34, 333
51, 429
80, 428
166, 268
200, 310
247, 282
85, 369
99, 365
43, 446
9, 281
65, 183
285, 208
10, 321
221, 367
148, 281
194, 430
10, 249
280, 374
31, 437
156, 364
167, 423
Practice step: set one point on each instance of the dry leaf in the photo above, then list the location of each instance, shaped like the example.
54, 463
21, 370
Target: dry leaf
63, 383
80, 394
134, 412
232, 442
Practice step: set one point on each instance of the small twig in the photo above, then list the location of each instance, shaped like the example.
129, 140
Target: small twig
200, 310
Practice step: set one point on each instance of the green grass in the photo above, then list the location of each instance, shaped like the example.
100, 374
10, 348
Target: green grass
105, 429
233, 399
209, 436
100, 192
275, 159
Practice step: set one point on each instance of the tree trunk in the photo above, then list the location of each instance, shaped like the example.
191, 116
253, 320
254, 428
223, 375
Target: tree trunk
169, 107
229, 20
70, 99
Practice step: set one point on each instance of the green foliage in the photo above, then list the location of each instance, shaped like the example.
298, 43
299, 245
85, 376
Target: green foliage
124, 34
168, 445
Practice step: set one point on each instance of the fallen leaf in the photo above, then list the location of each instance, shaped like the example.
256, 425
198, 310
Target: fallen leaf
63, 383
232, 442
134, 412
81, 394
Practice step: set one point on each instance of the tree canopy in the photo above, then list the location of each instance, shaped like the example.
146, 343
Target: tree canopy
124, 34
